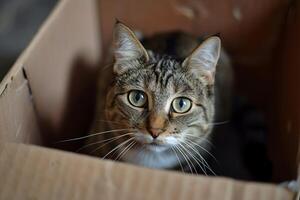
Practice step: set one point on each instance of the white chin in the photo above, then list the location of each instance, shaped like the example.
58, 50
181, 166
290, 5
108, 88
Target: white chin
156, 148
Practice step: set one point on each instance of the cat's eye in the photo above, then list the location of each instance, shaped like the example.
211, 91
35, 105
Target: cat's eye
181, 105
137, 98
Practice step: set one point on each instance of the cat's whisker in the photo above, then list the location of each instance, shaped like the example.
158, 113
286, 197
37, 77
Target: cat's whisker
209, 142
117, 147
122, 151
180, 153
198, 145
125, 150
91, 135
106, 140
201, 157
201, 138
112, 122
219, 123
178, 159
188, 157
203, 161
185, 158
195, 123
197, 161
130, 146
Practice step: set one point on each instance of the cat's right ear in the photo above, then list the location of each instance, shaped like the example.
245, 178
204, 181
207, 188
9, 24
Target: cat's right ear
126, 48
203, 60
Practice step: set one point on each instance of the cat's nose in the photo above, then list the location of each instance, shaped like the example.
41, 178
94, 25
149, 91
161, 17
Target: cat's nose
154, 132
156, 124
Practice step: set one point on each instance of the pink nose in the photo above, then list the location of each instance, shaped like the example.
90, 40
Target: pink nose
154, 132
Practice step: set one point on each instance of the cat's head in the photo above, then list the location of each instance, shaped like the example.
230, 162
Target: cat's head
160, 100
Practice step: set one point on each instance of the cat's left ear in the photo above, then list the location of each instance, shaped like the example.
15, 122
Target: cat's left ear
203, 60
126, 48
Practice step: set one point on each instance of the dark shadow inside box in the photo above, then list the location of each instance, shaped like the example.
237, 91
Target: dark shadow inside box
79, 108
239, 146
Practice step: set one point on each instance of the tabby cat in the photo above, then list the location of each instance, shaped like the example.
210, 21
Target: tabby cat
166, 95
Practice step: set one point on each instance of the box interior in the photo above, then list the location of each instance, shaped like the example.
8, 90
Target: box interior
50, 92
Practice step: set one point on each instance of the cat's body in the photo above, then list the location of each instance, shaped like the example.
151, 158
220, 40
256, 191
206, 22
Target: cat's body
166, 96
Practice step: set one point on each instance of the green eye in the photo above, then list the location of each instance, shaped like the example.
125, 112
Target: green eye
137, 98
181, 105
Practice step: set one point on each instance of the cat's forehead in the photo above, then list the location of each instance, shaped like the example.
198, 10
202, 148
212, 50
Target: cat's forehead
164, 64
162, 76
165, 76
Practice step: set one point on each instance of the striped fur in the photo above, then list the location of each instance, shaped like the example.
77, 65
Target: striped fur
182, 142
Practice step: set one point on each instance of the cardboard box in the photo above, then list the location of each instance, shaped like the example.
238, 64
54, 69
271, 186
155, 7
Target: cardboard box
49, 94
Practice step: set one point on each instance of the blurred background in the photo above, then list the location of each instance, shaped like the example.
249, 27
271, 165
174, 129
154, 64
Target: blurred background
19, 21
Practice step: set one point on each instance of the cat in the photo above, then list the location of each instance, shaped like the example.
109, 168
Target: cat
167, 92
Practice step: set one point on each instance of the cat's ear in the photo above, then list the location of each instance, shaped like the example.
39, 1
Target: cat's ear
203, 60
126, 48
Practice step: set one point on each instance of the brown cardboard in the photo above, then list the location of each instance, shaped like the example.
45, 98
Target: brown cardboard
68, 45
286, 133
16, 104
30, 172
57, 72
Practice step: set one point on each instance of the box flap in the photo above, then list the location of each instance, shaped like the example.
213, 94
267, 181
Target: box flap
18, 121
61, 64
30, 172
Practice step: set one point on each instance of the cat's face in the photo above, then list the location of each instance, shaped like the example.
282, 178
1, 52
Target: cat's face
161, 101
